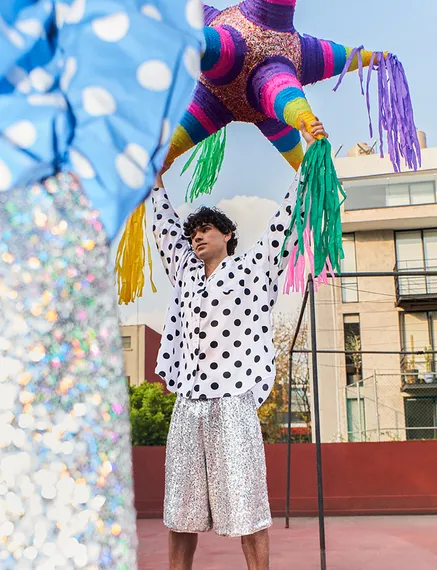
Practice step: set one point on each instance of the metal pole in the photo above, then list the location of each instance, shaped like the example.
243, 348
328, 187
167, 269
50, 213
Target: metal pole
359, 410
287, 505
317, 425
293, 344
378, 424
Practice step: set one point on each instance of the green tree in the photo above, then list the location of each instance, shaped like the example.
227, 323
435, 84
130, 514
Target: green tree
150, 413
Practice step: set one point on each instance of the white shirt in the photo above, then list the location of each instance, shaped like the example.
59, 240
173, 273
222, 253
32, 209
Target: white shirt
217, 339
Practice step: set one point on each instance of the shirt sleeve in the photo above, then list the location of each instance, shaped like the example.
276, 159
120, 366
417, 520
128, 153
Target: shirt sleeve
172, 245
267, 251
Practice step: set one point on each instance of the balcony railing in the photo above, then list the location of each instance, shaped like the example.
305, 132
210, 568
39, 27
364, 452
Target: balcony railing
411, 288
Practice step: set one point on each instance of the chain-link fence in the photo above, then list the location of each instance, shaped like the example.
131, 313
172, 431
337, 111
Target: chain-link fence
392, 407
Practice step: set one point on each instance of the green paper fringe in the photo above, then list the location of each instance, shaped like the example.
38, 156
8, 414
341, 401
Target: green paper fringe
318, 198
209, 163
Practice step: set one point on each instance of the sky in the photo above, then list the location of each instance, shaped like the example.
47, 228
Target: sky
255, 177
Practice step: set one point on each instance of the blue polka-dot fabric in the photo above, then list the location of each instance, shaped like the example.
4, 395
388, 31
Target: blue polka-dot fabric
95, 87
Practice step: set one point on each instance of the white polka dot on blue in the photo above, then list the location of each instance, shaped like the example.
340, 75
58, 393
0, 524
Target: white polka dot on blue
97, 88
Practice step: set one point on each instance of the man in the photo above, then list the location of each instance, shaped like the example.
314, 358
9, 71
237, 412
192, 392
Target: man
217, 354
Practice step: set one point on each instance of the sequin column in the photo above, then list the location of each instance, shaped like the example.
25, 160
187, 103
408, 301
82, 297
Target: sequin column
66, 499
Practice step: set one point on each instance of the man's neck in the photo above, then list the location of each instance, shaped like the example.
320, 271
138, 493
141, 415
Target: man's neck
212, 264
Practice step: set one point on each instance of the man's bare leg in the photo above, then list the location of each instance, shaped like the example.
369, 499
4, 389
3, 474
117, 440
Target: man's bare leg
256, 550
182, 546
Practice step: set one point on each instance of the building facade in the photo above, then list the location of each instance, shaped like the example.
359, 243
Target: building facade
389, 224
140, 350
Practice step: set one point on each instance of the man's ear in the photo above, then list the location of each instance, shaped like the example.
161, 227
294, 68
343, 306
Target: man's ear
228, 237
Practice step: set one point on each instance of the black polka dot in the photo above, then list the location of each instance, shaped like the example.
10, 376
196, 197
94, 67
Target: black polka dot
214, 344
227, 395
226, 374
247, 331
202, 397
227, 312
196, 388
214, 365
202, 334
214, 323
248, 351
238, 301
265, 329
264, 308
268, 368
202, 356
258, 379
214, 386
214, 302
247, 312
166, 355
203, 376
259, 255
226, 333
237, 343
257, 358
248, 371
237, 322
220, 283
226, 354
260, 400
238, 363
203, 315
231, 275
238, 384
247, 291
171, 383
256, 338
265, 387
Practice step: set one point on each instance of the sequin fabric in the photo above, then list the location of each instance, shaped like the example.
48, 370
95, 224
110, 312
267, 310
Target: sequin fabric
66, 498
215, 468
261, 44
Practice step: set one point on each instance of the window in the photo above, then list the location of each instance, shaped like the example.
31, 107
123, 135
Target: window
419, 332
400, 190
126, 342
356, 420
420, 418
416, 250
349, 285
352, 343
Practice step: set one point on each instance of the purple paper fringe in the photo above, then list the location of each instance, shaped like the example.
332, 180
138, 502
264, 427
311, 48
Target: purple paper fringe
396, 116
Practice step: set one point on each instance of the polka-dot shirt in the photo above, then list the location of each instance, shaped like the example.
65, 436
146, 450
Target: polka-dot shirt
97, 88
217, 339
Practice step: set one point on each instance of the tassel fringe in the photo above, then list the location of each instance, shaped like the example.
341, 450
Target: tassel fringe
396, 115
130, 260
316, 220
209, 163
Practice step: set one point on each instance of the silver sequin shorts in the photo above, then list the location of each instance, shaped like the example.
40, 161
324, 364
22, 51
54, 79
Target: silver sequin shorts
66, 497
215, 468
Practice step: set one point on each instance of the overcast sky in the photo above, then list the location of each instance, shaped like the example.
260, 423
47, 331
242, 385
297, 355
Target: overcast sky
255, 177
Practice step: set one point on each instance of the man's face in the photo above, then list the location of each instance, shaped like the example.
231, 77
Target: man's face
209, 243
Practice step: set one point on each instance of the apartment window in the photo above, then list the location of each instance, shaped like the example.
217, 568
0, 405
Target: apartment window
352, 343
349, 285
421, 418
126, 342
419, 332
416, 250
390, 191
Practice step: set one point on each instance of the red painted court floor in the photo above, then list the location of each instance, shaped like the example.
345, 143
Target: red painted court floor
353, 543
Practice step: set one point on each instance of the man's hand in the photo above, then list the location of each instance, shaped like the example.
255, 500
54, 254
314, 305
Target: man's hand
317, 130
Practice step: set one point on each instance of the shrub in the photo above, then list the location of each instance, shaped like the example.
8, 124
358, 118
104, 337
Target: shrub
150, 413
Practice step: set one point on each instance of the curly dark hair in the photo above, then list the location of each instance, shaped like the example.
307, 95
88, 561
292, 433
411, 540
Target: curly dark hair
215, 217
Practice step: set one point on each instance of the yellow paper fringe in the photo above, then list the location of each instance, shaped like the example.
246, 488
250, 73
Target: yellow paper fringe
130, 260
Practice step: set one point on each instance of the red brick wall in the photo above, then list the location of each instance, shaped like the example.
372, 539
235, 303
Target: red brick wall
359, 478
